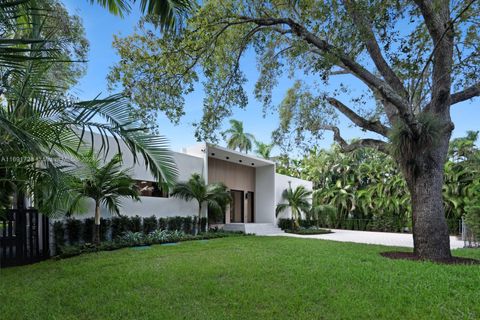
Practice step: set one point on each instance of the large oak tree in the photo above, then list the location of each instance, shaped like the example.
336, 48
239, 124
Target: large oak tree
399, 67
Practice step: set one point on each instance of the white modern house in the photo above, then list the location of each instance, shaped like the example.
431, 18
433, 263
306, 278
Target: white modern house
255, 188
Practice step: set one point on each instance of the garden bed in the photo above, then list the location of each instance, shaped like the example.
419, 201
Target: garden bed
308, 231
139, 239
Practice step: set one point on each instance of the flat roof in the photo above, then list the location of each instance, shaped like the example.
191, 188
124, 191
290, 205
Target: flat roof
229, 155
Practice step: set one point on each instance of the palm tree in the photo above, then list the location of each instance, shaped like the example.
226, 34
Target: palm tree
105, 184
263, 149
238, 138
214, 195
298, 200
39, 124
168, 11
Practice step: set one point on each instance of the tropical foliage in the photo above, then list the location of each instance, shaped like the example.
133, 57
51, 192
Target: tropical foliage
43, 131
367, 184
263, 149
214, 195
237, 138
105, 184
167, 12
298, 200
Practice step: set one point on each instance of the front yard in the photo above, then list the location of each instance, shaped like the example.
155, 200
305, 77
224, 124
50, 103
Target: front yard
242, 278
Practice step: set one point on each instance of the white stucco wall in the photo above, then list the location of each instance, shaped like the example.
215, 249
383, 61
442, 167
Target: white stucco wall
148, 206
282, 183
265, 194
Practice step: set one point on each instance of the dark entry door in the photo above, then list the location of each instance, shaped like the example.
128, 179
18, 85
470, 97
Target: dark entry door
236, 207
250, 207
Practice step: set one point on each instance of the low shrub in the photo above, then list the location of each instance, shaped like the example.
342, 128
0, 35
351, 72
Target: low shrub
162, 223
130, 239
150, 224
74, 229
59, 234
135, 224
120, 225
81, 231
472, 220
384, 224
285, 224
307, 223
69, 251
310, 231
175, 223
88, 229
105, 225
188, 225
157, 236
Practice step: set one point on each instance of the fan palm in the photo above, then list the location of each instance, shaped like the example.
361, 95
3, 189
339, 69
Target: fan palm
298, 200
238, 138
214, 195
167, 11
106, 184
263, 149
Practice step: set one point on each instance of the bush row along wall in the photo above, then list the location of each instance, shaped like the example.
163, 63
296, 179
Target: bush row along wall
387, 224
73, 231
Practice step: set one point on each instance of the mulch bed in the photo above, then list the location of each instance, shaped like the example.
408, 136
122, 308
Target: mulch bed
411, 256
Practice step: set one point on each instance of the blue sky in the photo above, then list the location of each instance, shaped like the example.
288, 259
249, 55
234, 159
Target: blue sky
100, 26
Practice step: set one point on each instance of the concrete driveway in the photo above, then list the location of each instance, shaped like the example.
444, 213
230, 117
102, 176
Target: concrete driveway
368, 237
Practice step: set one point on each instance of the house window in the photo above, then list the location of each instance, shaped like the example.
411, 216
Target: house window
151, 189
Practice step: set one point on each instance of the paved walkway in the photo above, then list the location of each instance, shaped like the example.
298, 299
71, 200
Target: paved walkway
382, 238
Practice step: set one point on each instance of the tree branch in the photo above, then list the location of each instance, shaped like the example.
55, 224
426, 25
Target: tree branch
468, 93
433, 20
368, 38
357, 144
323, 47
375, 126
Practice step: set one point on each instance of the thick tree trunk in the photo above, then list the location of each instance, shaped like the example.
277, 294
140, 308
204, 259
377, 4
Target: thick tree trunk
424, 175
430, 232
96, 234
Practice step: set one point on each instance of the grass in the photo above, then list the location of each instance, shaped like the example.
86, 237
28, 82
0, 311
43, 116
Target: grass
242, 278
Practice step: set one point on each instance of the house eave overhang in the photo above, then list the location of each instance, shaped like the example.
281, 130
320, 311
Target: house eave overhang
228, 155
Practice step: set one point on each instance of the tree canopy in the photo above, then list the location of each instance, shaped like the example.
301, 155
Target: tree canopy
387, 45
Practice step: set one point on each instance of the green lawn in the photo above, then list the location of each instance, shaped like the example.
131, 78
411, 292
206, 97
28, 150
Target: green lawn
242, 278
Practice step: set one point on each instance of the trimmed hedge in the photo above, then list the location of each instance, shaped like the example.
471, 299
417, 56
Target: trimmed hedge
150, 224
383, 224
74, 229
309, 231
77, 231
59, 233
386, 224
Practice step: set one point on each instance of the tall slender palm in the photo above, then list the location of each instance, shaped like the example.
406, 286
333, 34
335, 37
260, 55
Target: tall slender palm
214, 195
168, 11
263, 149
237, 138
106, 184
298, 200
